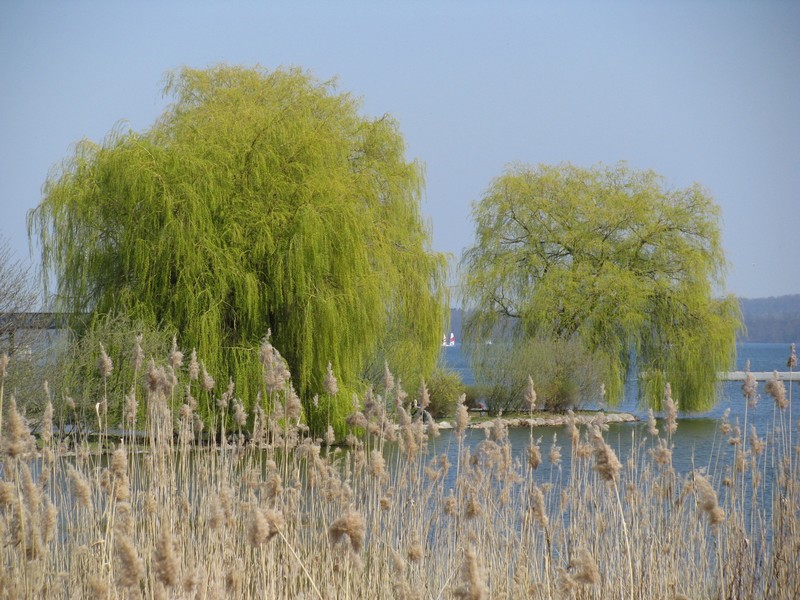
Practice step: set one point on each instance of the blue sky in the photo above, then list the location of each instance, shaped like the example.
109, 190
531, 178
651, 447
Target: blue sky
705, 92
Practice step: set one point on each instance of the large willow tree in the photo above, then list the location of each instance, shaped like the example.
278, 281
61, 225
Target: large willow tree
259, 200
612, 258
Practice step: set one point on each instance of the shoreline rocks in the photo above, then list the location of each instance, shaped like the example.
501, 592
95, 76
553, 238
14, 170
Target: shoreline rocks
551, 421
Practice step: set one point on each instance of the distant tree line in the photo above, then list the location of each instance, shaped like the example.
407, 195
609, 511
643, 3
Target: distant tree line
774, 319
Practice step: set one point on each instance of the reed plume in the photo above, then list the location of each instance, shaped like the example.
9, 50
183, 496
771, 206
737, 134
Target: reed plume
462, 416
119, 471
402, 589
377, 464
350, 526
104, 363
276, 370
239, 414
707, 499
3, 370
138, 354
756, 444
46, 429
17, 441
207, 381
49, 517
194, 366
662, 453
8, 494
294, 407
670, 409
415, 550
331, 385
175, 355
555, 452
450, 505
651, 423
473, 508
388, 379
606, 462
263, 525
750, 387
538, 507
572, 430
534, 455
165, 562
777, 390
472, 586
97, 587
130, 567
81, 488
130, 407
330, 436
530, 395
585, 568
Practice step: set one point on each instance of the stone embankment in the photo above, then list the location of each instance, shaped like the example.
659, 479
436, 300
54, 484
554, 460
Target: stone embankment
551, 420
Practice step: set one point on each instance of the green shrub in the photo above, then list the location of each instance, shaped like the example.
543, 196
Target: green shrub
444, 387
562, 391
564, 374
474, 394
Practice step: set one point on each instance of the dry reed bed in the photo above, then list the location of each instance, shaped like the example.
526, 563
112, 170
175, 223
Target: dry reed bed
276, 514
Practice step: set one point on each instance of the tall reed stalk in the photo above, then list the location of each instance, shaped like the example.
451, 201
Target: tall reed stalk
257, 507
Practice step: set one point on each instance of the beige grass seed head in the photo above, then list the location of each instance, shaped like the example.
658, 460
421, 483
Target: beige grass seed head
707, 499
331, 384
472, 585
530, 395
777, 391
130, 570
462, 416
165, 561
17, 440
670, 410
585, 571
606, 462
104, 363
350, 526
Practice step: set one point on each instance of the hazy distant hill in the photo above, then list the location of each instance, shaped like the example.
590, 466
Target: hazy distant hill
775, 319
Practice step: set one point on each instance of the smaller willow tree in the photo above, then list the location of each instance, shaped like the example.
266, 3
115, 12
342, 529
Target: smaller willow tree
611, 258
258, 201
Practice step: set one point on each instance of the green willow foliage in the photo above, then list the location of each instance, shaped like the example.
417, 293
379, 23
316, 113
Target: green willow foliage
611, 257
259, 200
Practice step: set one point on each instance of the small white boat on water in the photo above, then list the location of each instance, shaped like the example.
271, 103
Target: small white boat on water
451, 342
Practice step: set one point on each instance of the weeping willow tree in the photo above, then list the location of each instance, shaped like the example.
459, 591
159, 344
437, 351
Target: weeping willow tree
611, 258
260, 200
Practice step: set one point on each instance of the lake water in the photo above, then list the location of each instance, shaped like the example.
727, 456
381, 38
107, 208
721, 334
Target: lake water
697, 442
762, 357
